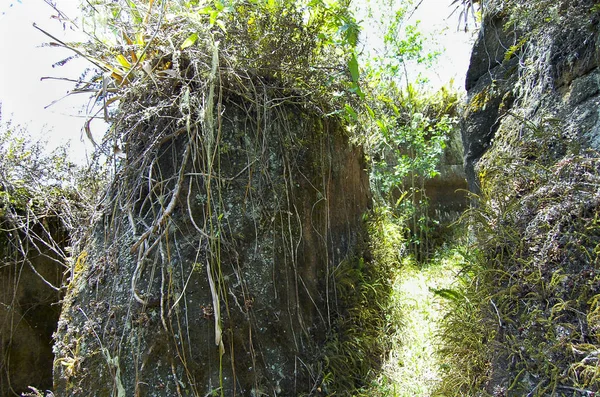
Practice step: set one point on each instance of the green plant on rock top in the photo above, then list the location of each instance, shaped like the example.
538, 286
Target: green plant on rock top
307, 46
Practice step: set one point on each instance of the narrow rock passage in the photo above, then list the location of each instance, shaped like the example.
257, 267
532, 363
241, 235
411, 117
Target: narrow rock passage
413, 368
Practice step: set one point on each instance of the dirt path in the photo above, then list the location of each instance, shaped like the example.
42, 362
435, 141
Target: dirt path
412, 368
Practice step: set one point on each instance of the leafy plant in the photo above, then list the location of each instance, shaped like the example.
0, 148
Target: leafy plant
405, 150
467, 11
45, 201
406, 127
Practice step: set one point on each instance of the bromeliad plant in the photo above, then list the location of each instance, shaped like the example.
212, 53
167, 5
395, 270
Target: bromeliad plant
308, 46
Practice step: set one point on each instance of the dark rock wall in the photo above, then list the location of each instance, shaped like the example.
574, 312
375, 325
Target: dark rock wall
29, 311
489, 83
447, 192
531, 135
248, 253
532, 67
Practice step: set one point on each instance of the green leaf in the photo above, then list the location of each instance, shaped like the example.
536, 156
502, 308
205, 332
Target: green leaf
353, 66
355, 88
139, 38
351, 112
446, 293
221, 25
513, 49
350, 33
190, 41
137, 18
123, 61
370, 111
213, 18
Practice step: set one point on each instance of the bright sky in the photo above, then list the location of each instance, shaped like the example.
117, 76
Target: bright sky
25, 98
435, 23
456, 44
24, 62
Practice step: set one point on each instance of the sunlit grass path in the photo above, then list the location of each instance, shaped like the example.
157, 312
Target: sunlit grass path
412, 368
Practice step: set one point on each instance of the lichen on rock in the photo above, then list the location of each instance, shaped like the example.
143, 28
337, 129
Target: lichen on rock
531, 154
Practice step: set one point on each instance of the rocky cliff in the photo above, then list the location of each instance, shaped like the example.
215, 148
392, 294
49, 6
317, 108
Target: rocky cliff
533, 68
234, 293
531, 131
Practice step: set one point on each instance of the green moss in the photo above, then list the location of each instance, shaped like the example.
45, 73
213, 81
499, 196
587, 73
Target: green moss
352, 357
480, 100
526, 320
514, 49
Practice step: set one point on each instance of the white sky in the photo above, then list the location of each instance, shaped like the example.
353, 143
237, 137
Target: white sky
23, 62
436, 23
456, 44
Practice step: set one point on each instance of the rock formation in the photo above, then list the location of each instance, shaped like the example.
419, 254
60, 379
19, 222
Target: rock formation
212, 266
29, 311
531, 135
532, 69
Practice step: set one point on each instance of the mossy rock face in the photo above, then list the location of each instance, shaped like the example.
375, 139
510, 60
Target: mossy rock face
540, 85
233, 292
489, 83
533, 160
540, 273
446, 192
